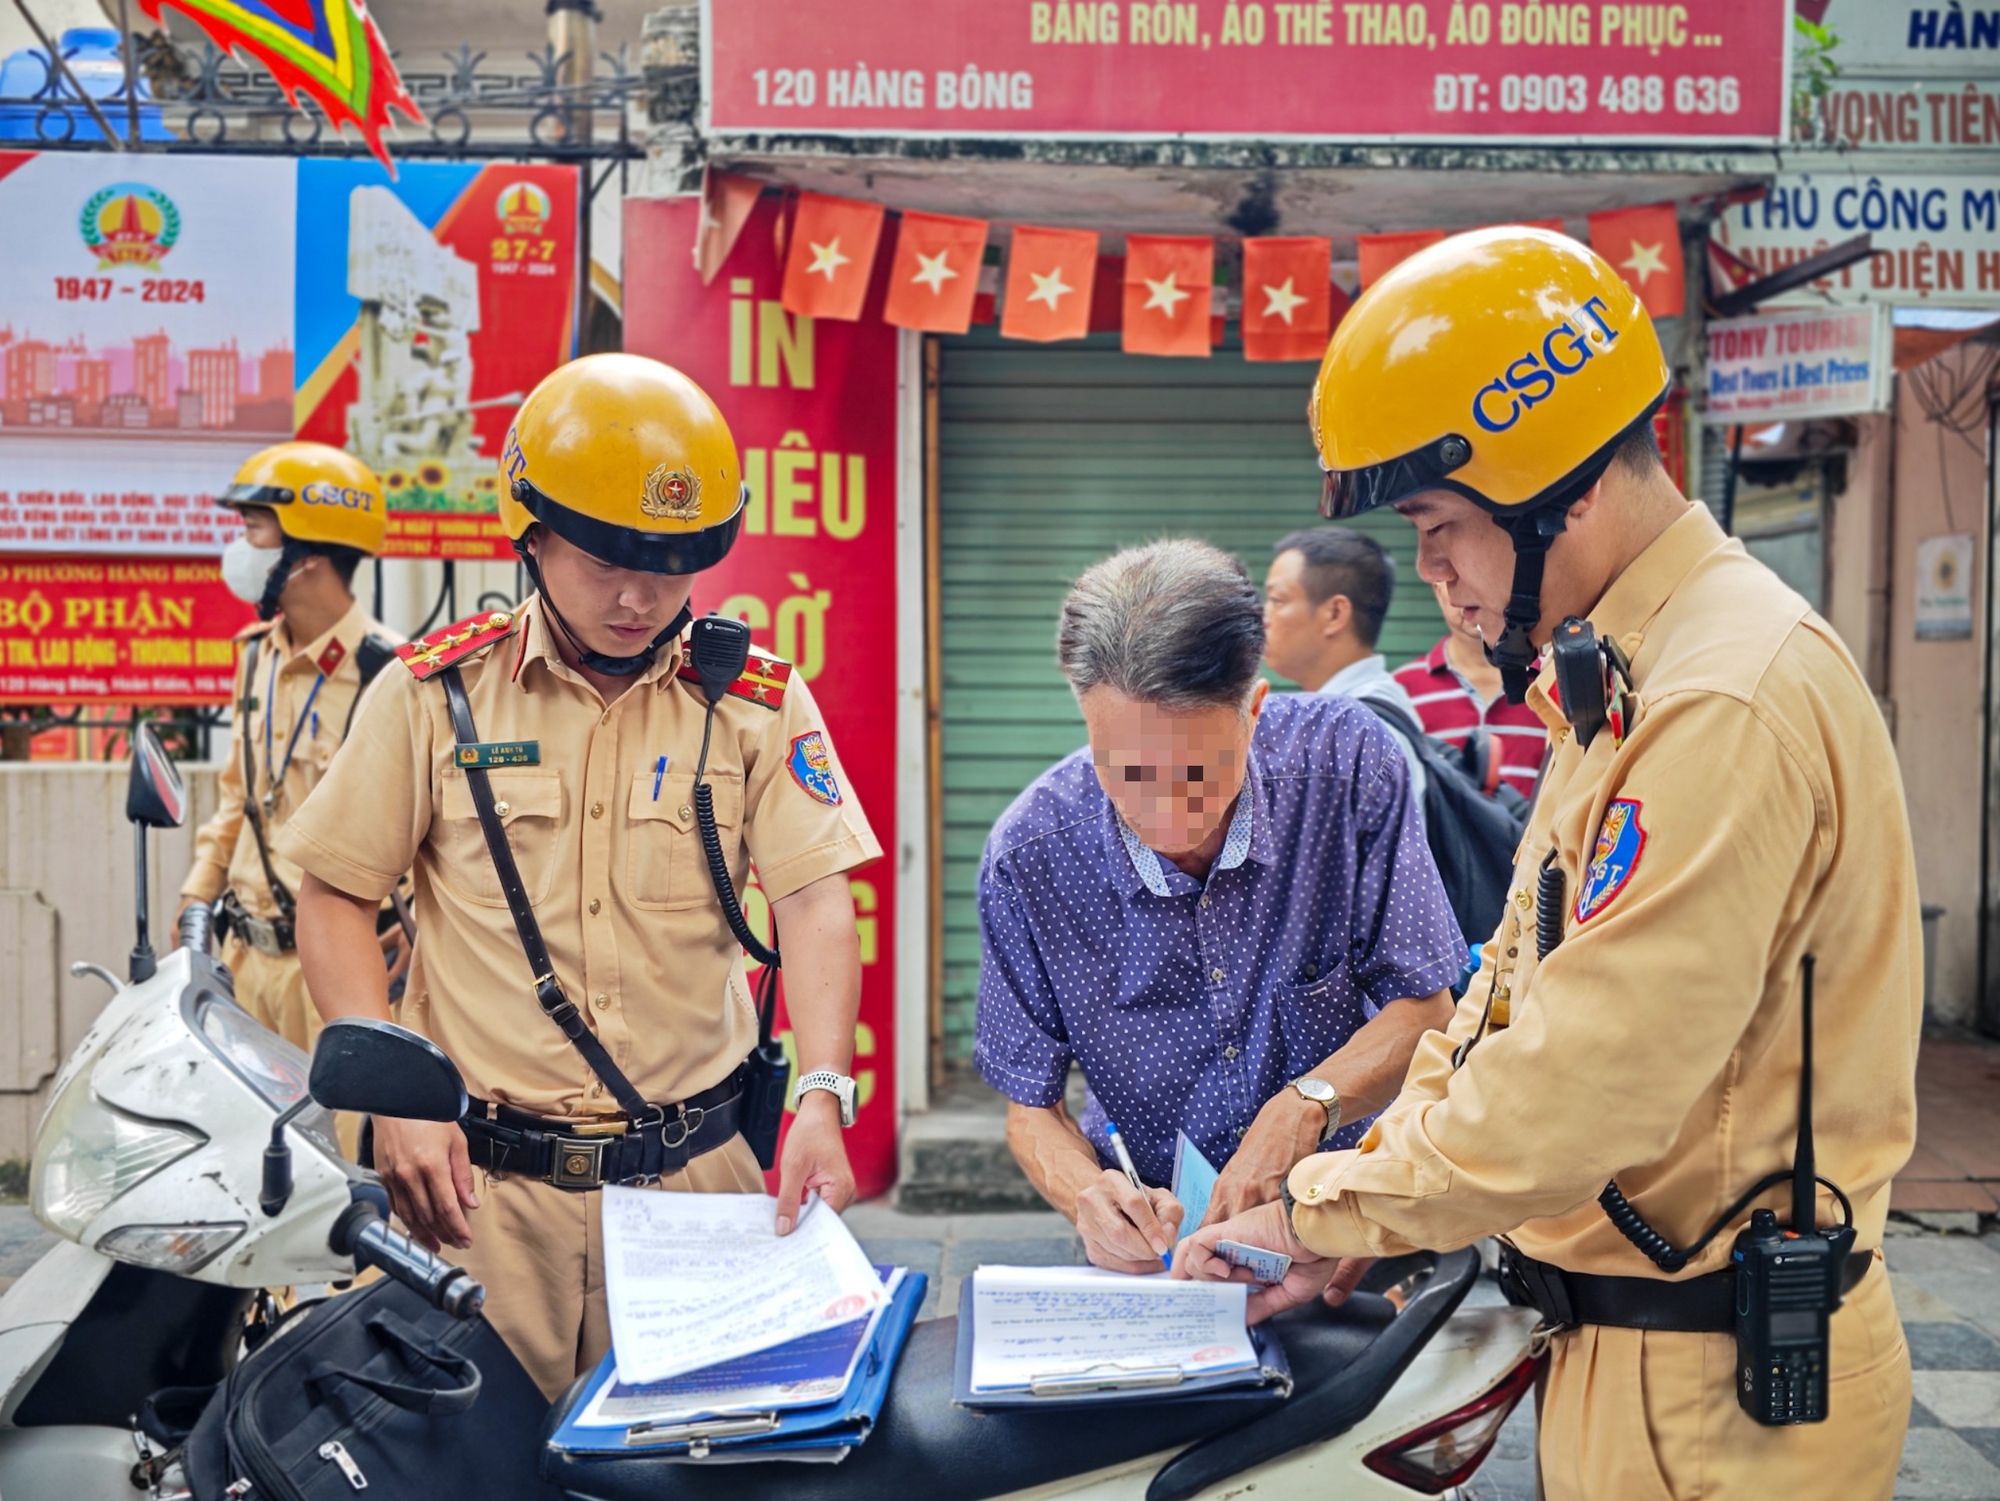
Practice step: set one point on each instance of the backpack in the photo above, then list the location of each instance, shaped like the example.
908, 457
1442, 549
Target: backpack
1472, 835
372, 1390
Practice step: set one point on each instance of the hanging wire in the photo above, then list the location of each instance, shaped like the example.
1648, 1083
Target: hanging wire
1952, 395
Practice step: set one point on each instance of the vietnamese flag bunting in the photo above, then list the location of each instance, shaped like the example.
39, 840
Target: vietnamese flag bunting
726, 201
1382, 253
934, 277
1049, 274
1644, 246
1167, 305
831, 257
1287, 298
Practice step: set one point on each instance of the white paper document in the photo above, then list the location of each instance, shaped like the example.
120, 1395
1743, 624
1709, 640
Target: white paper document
1038, 1324
695, 1279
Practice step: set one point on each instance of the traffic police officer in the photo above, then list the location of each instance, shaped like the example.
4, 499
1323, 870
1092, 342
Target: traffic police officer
622, 484
1637, 1019
310, 514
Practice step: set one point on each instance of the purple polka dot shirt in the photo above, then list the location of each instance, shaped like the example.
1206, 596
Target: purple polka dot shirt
1189, 1008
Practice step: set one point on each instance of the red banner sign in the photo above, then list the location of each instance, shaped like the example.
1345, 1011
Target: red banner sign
81, 630
1704, 70
812, 407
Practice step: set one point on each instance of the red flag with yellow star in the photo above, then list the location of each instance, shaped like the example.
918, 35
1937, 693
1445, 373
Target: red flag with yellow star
1287, 297
831, 257
1167, 282
1049, 275
1382, 253
934, 276
1644, 246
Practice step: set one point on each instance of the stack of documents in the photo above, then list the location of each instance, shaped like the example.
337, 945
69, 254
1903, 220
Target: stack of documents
732, 1342
1035, 1334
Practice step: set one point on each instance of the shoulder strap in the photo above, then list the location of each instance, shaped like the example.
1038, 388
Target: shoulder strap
548, 989
1396, 719
280, 893
373, 654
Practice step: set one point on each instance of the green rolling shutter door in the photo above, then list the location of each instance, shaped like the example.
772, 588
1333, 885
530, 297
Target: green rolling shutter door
1051, 457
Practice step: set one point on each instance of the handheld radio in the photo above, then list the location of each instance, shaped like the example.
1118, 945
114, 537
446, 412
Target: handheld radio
719, 650
1788, 1284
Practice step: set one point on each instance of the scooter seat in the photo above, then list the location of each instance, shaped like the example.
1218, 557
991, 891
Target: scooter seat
924, 1446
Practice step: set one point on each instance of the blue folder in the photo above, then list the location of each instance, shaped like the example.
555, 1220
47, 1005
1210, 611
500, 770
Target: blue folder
825, 1431
1272, 1374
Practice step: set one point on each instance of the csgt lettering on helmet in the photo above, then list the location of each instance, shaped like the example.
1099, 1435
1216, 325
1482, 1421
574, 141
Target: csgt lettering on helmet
1530, 380
326, 493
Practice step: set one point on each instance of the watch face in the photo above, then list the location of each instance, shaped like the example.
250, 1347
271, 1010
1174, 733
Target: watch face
1314, 1089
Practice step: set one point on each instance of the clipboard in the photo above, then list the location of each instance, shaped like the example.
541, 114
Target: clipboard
1108, 1385
824, 1432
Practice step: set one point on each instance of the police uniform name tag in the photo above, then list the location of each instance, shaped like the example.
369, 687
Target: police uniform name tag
483, 754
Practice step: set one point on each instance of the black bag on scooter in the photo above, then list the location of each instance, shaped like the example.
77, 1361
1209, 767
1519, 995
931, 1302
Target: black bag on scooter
373, 1390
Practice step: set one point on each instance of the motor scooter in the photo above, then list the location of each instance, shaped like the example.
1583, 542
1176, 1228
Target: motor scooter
188, 1159
188, 1170
1398, 1391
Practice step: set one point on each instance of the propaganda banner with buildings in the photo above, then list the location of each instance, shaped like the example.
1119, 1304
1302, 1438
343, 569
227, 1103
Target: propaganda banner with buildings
812, 406
145, 345
1703, 70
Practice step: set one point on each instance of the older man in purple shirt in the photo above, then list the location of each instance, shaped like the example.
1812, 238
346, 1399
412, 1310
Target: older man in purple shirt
1223, 908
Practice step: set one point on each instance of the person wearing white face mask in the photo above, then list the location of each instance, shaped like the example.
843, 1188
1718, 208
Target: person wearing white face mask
311, 513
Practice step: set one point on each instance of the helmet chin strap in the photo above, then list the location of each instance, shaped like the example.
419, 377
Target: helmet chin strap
597, 661
1516, 653
289, 557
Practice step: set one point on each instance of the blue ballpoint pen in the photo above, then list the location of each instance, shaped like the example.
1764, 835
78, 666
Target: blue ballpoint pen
659, 773
1132, 1173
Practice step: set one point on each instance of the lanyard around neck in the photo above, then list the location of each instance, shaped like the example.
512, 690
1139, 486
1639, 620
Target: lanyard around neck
275, 776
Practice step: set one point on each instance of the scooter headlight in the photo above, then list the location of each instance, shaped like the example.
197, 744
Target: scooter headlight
261, 1058
95, 1154
180, 1249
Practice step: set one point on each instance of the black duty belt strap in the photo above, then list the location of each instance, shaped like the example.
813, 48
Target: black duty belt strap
1699, 1305
574, 1155
280, 893
548, 989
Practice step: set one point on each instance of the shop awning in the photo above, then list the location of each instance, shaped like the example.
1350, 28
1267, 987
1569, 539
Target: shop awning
1240, 187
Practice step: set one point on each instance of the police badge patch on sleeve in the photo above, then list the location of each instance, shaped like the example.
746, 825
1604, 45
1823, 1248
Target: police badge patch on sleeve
812, 768
1619, 844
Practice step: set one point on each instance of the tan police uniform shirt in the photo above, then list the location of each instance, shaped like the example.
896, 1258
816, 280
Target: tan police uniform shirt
1659, 1043
615, 873
225, 847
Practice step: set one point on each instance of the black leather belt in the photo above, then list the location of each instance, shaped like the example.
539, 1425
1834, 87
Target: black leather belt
502, 1139
1700, 1305
272, 936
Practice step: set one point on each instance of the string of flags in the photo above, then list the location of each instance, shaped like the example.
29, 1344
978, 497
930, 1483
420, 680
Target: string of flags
1164, 295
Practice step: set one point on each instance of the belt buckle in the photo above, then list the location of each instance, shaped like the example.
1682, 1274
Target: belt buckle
688, 1120
578, 1162
263, 936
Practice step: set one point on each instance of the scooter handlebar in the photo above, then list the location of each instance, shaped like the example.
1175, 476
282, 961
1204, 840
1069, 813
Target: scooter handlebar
197, 924
362, 1233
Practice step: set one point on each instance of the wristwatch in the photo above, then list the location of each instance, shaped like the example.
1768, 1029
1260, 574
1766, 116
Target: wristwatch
838, 1085
1323, 1094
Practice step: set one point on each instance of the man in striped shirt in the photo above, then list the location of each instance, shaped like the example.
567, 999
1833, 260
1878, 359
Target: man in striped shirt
1456, 690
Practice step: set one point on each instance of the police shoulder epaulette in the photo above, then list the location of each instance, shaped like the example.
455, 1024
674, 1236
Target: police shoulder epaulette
255, 629
763, 681
431, 654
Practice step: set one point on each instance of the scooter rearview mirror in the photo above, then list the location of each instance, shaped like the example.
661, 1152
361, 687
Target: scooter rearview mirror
379, 1068
154, 797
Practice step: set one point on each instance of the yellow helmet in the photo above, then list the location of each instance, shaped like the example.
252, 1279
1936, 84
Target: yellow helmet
1505, 364
318, 493
627, 459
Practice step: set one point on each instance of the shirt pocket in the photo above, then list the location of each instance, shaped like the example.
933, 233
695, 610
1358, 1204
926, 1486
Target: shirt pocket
529, 803
1315, 1017
665, 868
